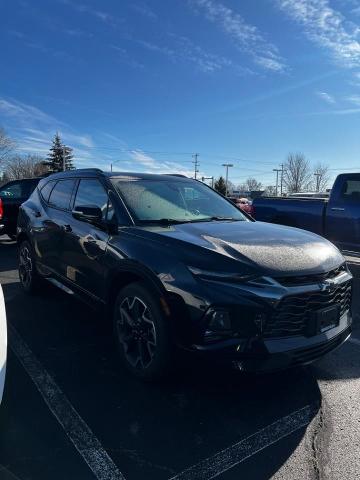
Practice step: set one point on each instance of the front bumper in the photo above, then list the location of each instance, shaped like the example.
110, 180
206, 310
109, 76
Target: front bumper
261, 355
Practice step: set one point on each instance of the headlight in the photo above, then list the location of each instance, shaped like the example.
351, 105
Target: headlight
221, 276
219, 321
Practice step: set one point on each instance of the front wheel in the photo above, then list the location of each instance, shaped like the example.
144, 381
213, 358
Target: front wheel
142, 333
28, 275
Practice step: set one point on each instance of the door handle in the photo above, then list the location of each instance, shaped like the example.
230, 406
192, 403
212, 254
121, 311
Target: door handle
67, 228
37, 214
338, 209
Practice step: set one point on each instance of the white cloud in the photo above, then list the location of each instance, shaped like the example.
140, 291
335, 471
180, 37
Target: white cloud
326, 27
76, 32
24, 114
246, 37
326, 97
144, 10
354, 99
34, 129
151, 165
185, 50
99, 14
124, 57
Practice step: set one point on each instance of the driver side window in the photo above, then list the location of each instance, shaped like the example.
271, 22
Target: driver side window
91, 193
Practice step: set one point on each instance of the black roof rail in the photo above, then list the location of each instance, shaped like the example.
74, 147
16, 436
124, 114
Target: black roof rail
95, 170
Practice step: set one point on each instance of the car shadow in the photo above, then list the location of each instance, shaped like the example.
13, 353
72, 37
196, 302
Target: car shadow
153, 430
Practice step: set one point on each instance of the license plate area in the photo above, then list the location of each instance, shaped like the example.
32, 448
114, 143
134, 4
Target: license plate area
323, 320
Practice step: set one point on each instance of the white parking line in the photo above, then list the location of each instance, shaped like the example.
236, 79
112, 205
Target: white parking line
355, 341
230, 457
74, 426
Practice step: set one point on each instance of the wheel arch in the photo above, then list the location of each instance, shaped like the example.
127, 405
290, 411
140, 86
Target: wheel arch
131, 273
172, 304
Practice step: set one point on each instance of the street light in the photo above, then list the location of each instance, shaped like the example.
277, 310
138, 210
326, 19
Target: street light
277, 170
227, 166
317, 176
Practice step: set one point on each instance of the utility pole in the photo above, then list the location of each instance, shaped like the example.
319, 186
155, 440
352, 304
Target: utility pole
208, 178
110, 167
196, 164
281, 178
317, 176
277, 170
227, 166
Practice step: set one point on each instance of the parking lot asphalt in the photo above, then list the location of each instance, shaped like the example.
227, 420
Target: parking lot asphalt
70, 411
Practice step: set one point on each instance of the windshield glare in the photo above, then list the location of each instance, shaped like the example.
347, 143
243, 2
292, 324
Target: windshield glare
174, 200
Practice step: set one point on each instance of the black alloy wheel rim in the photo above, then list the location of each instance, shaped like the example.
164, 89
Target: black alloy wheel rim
136, 331
25, 266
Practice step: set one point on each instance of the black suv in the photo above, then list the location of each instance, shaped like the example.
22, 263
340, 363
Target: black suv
12, 195
180, 267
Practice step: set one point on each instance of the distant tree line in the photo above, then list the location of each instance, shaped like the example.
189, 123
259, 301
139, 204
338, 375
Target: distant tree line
14, 166
298, 176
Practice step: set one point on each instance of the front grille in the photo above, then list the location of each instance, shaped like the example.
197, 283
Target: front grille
310, 279
292, 314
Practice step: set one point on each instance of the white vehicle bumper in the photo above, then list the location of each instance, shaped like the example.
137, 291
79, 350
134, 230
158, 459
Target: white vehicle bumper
3, 343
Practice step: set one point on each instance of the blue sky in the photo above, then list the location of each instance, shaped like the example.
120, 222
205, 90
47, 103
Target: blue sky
146, 83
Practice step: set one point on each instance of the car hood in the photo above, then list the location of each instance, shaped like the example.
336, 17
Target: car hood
274, 249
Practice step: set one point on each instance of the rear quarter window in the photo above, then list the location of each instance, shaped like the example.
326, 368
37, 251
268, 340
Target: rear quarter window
46, 190
60, 195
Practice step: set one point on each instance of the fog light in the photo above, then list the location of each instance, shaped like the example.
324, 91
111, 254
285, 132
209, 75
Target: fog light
220, 321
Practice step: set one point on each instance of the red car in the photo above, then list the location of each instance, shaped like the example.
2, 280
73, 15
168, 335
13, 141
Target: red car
243, 204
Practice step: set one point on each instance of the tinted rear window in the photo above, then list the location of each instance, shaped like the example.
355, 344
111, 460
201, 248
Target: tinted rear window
352, 190
61, 194
46, 190
18, 189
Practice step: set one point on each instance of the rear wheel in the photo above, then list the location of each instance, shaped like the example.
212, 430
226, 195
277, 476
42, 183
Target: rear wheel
29, 278
142, 333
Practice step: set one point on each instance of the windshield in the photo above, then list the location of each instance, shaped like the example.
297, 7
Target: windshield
173, 200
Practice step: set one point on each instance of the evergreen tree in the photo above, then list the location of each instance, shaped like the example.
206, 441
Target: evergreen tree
68, 158
55, 159
220, 185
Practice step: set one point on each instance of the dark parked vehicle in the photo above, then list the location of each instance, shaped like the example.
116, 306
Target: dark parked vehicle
181, 267
12, 195
336, 218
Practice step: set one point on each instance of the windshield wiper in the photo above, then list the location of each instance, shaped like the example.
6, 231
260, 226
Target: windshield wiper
173, 221
164, 221
219, 219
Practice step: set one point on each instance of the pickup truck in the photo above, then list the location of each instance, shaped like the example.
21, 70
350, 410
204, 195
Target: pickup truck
12, 195
337, 218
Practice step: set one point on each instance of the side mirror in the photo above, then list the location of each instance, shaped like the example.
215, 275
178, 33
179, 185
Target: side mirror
88, 213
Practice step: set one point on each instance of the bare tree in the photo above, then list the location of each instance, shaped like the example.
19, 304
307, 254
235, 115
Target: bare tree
6, 146
270, 191
297, 173
17, 167
252, 184
322, 177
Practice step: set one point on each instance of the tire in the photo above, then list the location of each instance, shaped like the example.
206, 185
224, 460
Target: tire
29, 277
142, 333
